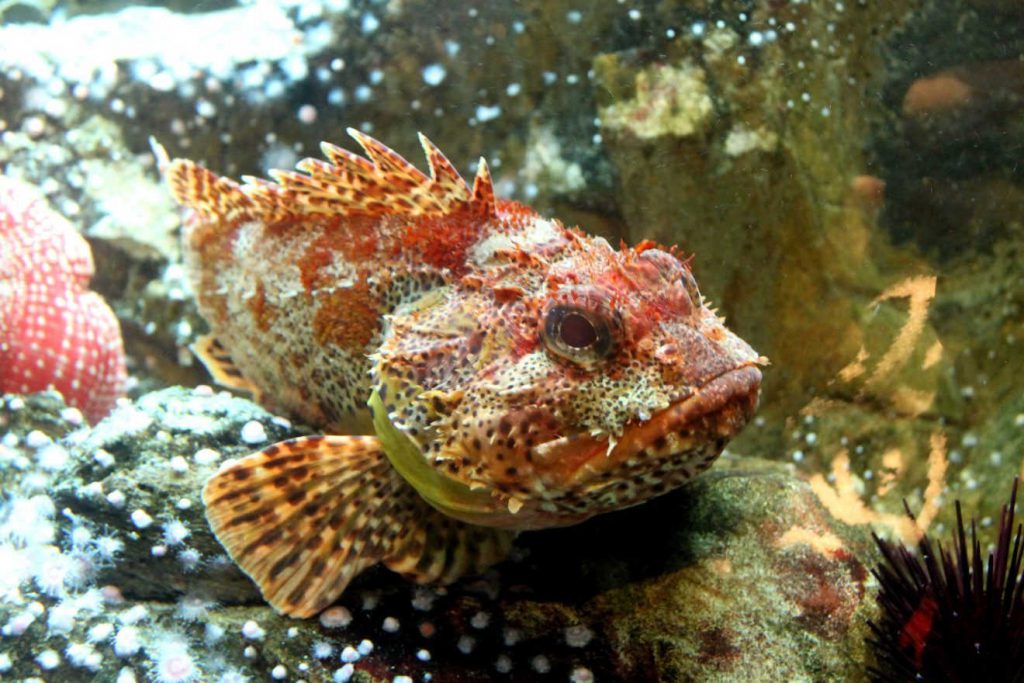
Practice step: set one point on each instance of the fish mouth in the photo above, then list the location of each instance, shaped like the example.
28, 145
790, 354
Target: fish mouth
688, 434
711, 415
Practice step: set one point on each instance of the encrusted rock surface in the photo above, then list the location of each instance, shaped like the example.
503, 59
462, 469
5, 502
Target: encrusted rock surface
741, 573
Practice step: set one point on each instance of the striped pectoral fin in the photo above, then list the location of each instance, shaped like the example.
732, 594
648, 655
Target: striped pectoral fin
440, 549
303, 517
222, 369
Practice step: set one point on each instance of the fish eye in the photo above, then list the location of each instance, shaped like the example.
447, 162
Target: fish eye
577, 334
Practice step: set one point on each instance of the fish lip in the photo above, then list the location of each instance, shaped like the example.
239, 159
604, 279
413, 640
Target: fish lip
740, 382
711, 414
719, 408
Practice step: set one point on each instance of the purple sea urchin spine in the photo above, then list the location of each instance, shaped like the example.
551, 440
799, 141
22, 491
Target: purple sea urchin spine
946, 616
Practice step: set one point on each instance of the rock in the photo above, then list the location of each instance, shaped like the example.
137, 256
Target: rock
751, 580
999, 6
141, 472
666, 100
741, 573
723, 149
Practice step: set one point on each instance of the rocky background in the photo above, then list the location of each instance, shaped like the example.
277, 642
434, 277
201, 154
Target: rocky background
846, 173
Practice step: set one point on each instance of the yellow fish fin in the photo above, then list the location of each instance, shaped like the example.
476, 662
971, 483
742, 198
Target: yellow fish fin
303, 517
218, 362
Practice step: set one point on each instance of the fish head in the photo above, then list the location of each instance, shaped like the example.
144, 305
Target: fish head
566, 379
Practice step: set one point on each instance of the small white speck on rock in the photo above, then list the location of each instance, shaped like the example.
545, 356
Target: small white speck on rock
434, 74
253, 432
480, 620
48, 659
103, 458
252, 631
206, 456
578, 636
140, 518
466, 644
581, 674
335, 617
37, 439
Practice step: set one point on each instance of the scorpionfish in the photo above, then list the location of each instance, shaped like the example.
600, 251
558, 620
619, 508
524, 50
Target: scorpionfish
477, 369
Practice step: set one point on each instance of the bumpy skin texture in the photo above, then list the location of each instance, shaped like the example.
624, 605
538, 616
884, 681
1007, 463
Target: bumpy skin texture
510, 373
367, 275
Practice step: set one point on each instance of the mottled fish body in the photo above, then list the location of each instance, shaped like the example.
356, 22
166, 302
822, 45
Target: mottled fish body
479, 369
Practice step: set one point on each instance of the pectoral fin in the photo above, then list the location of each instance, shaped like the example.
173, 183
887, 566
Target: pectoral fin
303, 517
218, 363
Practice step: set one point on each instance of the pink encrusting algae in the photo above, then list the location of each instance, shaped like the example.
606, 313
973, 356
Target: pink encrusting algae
54, 332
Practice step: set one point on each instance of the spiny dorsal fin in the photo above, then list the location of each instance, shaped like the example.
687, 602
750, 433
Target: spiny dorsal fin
387, 160
218, 363
305, 516
382, 183
451, 188
269, 199
214, 198
483, 187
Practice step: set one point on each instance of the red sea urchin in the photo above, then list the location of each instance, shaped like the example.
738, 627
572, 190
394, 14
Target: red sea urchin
54, 332
945, 616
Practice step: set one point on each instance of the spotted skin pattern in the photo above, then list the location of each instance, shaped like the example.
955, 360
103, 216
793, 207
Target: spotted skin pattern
496, 370
308, 514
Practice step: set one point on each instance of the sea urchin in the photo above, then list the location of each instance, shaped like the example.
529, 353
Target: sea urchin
945, 616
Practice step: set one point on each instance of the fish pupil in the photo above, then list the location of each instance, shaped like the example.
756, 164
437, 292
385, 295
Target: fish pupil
577, 332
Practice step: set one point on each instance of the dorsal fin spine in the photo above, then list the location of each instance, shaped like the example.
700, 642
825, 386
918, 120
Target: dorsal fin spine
382, 183
211, 196
483, 189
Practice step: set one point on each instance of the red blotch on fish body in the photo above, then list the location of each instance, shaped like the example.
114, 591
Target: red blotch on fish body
54, 332
442, 241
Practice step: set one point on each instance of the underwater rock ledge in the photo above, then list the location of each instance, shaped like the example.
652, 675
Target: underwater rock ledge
740, 574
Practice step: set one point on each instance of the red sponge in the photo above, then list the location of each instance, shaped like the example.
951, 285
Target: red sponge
54, 332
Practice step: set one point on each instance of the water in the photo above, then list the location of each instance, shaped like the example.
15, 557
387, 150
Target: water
845, 176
